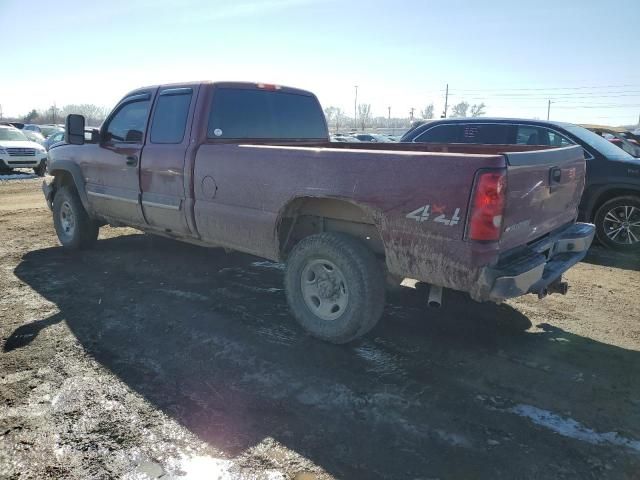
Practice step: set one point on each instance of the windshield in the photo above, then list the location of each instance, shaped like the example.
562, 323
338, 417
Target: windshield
602, 145
11, 134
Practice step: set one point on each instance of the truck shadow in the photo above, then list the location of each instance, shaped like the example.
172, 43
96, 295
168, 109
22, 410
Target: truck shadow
206, 337
608, 258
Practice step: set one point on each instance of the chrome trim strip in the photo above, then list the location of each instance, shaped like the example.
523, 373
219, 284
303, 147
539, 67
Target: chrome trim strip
111, 197
148, 203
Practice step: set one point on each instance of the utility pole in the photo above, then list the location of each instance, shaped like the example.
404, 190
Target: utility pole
355, 110
548, 108
0, 111
389, 121
411, 114
446, 102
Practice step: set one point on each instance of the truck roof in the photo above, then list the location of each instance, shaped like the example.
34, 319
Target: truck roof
227, 84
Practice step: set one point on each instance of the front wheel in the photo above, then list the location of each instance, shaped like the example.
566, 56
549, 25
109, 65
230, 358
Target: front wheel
74, 227
335, 287
41, 169
618, 224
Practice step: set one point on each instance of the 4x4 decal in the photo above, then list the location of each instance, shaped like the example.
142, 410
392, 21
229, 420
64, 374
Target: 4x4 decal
425, 213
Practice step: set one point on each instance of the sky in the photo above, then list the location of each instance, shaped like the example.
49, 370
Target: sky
513, 56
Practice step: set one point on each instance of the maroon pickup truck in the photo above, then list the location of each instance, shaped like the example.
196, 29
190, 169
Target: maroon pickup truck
249, 167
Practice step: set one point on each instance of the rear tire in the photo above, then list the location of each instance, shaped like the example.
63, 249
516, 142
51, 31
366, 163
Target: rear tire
335, 287
75, 229
618, 224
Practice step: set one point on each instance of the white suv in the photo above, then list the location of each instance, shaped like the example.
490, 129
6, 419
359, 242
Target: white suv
16, 150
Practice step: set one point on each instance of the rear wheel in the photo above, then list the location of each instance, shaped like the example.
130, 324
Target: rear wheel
335, 287
618, 224
74, 227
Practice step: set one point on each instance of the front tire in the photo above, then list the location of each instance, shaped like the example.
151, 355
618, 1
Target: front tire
41, 169
335, 287
618, 224
75, 229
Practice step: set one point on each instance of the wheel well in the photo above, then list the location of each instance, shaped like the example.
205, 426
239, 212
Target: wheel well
309, 215
610, 194
62, 179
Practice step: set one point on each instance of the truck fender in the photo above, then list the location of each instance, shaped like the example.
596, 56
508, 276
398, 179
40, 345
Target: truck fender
331, 207
57, 167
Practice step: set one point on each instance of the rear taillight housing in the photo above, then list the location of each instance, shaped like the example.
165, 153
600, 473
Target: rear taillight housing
487, 206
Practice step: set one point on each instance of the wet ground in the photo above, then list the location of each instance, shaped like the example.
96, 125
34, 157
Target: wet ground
145, 358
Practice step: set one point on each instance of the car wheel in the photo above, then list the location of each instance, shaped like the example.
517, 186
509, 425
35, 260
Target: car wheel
75, 229
41, 169
335, 287
618, 224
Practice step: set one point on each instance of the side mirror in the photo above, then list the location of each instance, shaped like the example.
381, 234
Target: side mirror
74, 129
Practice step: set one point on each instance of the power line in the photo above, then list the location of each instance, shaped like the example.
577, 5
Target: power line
547, 88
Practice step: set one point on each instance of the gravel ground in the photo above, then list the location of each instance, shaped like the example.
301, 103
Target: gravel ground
144, 358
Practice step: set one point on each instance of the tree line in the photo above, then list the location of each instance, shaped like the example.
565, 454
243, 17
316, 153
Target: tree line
93, 114
337, 119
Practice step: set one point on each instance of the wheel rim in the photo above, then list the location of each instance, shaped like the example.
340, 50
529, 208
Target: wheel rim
67, 219
324, 289
622, 225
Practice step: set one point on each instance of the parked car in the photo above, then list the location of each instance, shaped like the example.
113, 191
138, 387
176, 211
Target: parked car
249, 167
615, 136
45, 130
16, 150
34, 136
365, 137
53, 139
611, 197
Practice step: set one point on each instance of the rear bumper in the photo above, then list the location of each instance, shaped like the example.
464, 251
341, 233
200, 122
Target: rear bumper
539, 267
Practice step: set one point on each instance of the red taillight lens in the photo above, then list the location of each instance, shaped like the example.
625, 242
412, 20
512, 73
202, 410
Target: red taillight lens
485, 222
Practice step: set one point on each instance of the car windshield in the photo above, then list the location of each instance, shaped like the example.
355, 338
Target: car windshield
602, 145
11, 134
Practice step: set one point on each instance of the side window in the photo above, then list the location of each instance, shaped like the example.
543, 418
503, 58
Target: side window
485, 133
170, 117
129, 122
440, 134
532, 135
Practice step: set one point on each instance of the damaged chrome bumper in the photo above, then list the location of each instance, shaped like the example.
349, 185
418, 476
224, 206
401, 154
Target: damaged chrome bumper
539, 267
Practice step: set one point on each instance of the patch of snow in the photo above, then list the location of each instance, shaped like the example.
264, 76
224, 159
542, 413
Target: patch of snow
267, 264
568, 427
17, 176
183, 294
209, 468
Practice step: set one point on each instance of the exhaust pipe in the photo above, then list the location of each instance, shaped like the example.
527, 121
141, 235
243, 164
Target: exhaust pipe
435, 296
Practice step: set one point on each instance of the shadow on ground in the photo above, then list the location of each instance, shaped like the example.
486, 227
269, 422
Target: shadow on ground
608, 258
206, 337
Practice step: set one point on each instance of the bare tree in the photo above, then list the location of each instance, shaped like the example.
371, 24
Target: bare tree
427, 113
364, 114
460, 109
477, 110
93, 114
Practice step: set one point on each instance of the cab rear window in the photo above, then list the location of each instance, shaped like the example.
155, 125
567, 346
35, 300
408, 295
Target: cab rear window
264, 114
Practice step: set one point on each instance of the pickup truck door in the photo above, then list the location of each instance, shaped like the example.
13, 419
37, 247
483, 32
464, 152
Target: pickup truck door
162, 176
112, 174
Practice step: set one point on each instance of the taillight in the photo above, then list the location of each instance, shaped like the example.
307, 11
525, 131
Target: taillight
487, 206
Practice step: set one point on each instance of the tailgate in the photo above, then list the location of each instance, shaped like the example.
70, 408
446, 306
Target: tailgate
543, 192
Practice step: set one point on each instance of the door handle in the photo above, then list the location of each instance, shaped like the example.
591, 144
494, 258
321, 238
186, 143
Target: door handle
555, 175
132, 160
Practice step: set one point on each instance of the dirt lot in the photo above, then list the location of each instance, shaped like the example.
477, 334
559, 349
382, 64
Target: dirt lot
148, 359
